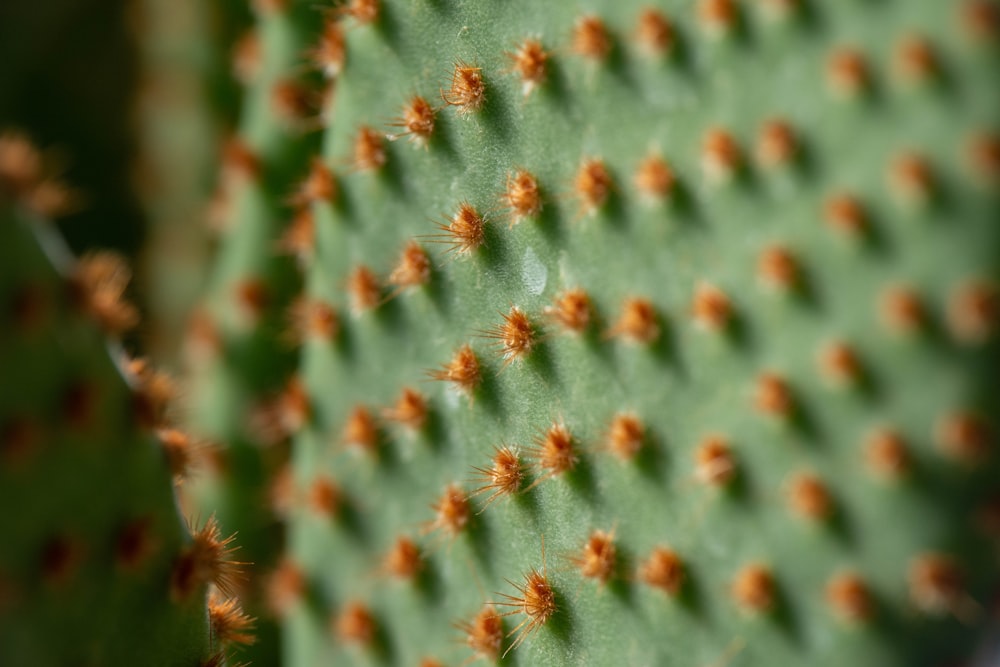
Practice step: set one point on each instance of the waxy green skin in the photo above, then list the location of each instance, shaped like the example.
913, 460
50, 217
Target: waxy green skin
688, 384
80, 483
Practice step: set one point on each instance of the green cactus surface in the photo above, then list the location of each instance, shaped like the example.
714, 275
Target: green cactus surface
96, 565
775, 395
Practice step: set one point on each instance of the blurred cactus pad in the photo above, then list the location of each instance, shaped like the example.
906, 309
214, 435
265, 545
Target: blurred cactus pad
606, 333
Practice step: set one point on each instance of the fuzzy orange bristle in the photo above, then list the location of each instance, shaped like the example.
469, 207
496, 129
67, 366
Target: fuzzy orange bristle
654, 32
462, 371
840, 364
845, 214
714, 463
936, 584
318, 186
663, 569
592, 185
914, 60
711, 308
522, 196
403, 560
135, 543
530, 62
887, 455
809, 497
754, 589
484, 633
850, 598
464, 233
467, 90
360, 430
571, 310
847, 72
638, 322
717, 17
369, 149
312, 319
974, 311
777, 144
773, 396
591, 38
364, 289
625, 436
355, 624
98, 286
654, 179
901, 310
965, 437
503, 477
330, 53
324, 497
554, 452
417, 121
451, 511
535, 599
230, 624
514, 337
410, 409
778, 268
598, 558
721, 157
207, 559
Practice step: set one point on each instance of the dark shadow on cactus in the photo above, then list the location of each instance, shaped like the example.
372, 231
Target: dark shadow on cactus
613, 212
621, 585
651, 461
737, 331
581, 479
527, 501
477, 534
488, 393
390, 175
494, 249
540, 361
691, 597
388, 457
382, 649
618, 64
682, 205
561, 622
555, 88
344, 204
550, 221
838, 524
344, 344
350, 519
428, 581
495, 115
388, 27
783, 616
442, 140
663, 349
434, 432
803, 421
738, 489
390, 316
316, 601
437, 290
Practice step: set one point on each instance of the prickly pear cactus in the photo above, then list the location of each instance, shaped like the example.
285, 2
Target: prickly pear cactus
636, 335
96, 564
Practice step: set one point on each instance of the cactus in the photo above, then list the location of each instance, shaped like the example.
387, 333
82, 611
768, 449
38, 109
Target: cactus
606, 334
683, 366
97, 566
